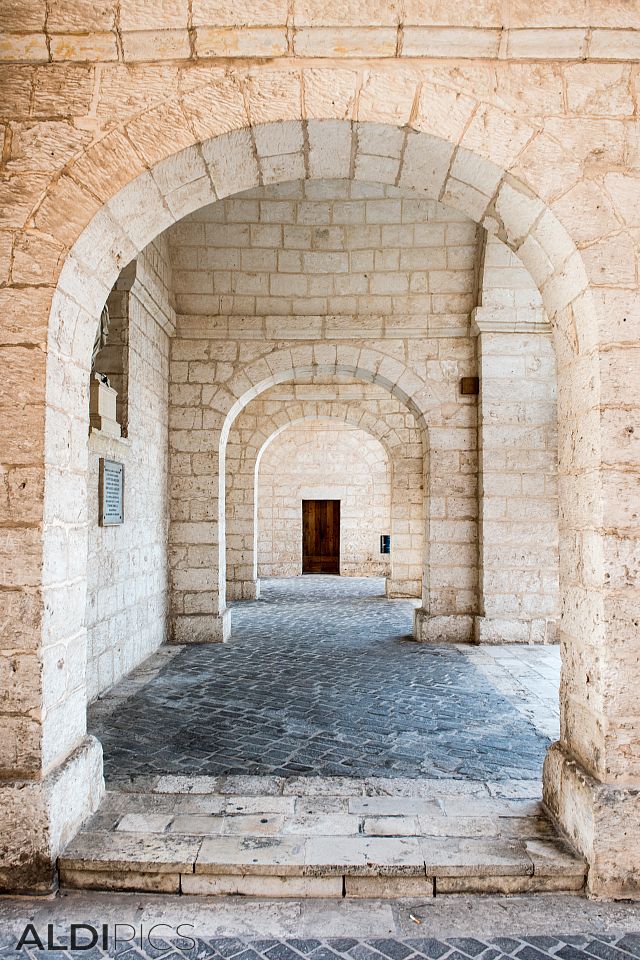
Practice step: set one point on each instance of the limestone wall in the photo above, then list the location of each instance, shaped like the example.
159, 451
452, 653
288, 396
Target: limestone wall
327, 247
127, 565
319, 460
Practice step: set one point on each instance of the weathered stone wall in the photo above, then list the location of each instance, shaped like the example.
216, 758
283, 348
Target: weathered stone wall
321, 248
127, 601
317, 460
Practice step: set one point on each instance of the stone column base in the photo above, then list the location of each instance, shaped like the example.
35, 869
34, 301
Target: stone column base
243, 589
512, 630
442, 629
38, 818
201, 628
402, 588
601, 821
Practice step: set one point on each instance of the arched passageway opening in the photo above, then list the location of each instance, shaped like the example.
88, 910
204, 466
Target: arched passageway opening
482, 189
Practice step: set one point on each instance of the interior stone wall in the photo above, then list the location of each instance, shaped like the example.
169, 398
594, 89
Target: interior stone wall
327, 247
127, 599
319, 460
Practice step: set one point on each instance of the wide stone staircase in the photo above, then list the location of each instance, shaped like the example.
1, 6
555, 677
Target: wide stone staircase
320, 837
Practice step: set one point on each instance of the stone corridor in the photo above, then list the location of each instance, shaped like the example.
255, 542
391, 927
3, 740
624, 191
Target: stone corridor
321, 678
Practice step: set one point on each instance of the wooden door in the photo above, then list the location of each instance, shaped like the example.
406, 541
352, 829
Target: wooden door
321, 536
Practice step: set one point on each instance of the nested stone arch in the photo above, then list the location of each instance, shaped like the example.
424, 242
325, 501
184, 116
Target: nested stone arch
276, 367
244, 452
478, 159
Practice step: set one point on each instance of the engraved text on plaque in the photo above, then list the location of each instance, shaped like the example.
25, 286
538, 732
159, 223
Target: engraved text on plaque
111, 492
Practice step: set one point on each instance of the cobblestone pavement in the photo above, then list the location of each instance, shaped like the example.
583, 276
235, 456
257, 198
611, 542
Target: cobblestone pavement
320, 677
580, 947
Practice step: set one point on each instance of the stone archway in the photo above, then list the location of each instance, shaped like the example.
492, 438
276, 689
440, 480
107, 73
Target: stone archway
407, 463
322, 459
492, 179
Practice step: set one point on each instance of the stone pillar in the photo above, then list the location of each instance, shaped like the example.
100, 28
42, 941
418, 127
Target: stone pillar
197, 494
407, 529
50, 770
450, 572
592, 775
242, 528
518, 594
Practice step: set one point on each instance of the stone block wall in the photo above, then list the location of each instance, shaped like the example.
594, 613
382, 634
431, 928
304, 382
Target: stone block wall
127, 600
518, 486
320, 460
213, 359
324, 248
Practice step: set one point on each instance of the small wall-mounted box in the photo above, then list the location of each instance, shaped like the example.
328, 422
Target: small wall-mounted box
385, 543
469, 386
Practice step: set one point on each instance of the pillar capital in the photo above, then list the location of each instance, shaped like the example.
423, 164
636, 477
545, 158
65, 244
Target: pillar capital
509, 320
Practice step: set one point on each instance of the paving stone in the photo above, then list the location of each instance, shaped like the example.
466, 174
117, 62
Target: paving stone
266, 856
508, 885
454, 858
630, 943
255, 825
392, 949
297, 695
391, 826
530, 953
468, 945
474, 807
146, 823
551, 858
529, 828
369, 888
257, 804
125, 880
262, 886
394, 806
339, 948
604, 951
329, 825
141, 851
428, 947
379, 856
318, 806
195, 825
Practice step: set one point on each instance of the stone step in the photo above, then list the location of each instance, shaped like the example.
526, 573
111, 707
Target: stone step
323, 844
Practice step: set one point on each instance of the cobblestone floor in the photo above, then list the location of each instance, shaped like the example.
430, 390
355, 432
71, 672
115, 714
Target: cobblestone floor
579, 947
320, 677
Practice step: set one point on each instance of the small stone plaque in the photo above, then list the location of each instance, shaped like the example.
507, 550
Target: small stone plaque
111, 493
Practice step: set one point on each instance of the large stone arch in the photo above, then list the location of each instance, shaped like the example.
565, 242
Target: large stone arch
97, 215
244, 452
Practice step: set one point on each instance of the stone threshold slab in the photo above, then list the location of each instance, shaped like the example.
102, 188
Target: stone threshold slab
320, 837
148, 862
246, 786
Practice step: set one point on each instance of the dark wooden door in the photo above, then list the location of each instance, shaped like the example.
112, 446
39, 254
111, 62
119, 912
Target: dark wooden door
321, 536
